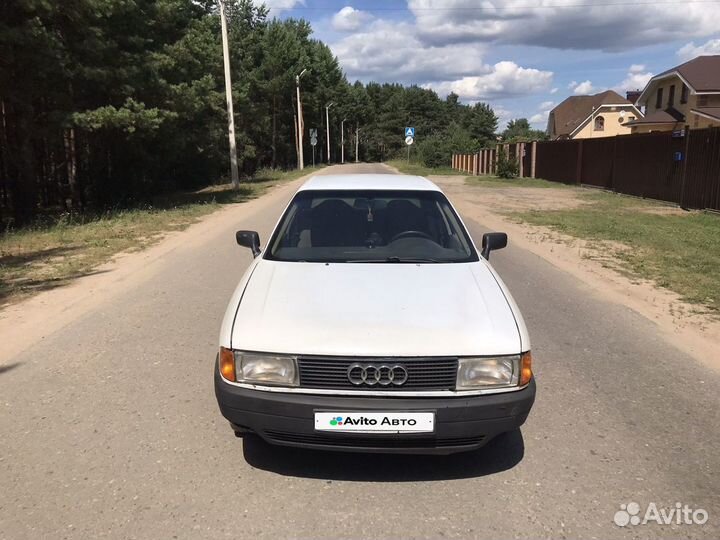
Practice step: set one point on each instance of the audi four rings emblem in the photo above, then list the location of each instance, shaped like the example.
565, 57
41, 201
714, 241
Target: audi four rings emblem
380, 374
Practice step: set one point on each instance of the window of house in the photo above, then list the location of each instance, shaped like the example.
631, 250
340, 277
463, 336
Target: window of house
599, 123
671, 97
659, 99
684, 94
702, 101
631, 118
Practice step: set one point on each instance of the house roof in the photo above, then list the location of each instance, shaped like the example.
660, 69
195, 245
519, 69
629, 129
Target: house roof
709, 112
575, 110
701, 73
658, 117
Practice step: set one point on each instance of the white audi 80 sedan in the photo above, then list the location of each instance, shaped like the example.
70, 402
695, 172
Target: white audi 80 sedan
370, 322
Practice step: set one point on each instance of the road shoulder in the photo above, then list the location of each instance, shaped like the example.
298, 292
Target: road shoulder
679, 322
29, 321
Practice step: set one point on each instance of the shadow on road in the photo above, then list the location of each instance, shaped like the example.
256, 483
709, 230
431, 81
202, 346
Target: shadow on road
9, 367
500, 454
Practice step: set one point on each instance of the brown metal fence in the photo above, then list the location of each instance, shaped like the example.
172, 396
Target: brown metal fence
679, 167
559, 161
701, 187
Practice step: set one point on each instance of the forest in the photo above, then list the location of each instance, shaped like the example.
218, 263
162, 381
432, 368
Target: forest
105, 103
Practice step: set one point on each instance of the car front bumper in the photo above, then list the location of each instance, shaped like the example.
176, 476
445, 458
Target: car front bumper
286, 418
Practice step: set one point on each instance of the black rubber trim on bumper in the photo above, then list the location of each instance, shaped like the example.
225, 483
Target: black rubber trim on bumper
461, 423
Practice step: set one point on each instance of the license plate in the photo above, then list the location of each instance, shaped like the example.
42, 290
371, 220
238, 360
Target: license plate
375, 422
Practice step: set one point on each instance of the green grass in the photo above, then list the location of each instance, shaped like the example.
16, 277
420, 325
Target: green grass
679, 251
53, 254
421, 170
496, 181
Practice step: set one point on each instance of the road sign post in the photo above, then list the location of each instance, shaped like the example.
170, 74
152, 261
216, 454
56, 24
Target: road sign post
409, 139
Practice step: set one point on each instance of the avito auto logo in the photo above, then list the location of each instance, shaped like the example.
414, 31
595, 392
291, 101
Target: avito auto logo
364, 421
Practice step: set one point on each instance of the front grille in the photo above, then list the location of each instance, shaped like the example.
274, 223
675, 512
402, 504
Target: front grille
364, 441
423, 373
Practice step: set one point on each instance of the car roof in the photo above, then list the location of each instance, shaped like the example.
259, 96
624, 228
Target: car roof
397, 182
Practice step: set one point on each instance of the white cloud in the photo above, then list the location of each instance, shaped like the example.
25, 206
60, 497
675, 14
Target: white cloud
504, 79
278, 6
637, 78
690, 51
539, 120
504, 115
349, 19
391, 52
583, 88
550, 24
554, 90
386, 51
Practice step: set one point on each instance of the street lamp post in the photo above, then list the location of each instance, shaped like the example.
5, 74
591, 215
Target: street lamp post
357, 142
228, 95
342, 141
300, 124
327, 127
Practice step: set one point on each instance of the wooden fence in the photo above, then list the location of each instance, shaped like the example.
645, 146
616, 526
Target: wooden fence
680, 167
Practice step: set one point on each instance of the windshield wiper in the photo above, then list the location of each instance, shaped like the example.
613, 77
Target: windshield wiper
410, 260
395, 259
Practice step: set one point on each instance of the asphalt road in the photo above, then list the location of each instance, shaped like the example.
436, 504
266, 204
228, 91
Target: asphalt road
110, 426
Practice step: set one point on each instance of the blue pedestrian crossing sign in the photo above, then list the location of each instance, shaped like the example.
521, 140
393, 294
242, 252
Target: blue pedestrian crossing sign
410, 132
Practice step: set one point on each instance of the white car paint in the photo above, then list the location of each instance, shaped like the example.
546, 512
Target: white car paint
385, 310
395, 182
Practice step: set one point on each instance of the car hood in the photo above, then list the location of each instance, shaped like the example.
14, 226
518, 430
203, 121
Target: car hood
375, 310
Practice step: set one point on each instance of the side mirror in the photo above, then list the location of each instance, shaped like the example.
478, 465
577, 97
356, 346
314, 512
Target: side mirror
249, 239
492, 241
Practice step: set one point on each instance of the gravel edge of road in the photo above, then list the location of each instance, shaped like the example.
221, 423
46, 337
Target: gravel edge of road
25, 323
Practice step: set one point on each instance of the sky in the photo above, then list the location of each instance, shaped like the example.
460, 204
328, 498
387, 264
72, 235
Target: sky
522, 57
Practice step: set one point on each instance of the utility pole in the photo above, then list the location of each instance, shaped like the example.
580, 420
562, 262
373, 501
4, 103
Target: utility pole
296, 135
327, 127
301, 123
342, 141
357, 142
228, 94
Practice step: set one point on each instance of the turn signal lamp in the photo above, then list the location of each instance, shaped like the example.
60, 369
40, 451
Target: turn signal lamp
227, 364
525, 368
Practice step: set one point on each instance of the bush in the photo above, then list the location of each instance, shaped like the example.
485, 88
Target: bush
437, 149
506, 167
434, 152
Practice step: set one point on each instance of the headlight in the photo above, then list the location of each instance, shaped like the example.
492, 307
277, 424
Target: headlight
498, 372
266, 369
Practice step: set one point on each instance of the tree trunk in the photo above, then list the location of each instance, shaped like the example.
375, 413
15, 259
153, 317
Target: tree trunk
4, 176
71, 167
274, 133
25, 186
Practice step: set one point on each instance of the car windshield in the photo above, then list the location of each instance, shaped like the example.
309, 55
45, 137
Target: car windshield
370, 226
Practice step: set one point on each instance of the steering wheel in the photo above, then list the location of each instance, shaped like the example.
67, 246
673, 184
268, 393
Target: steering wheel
407, 234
